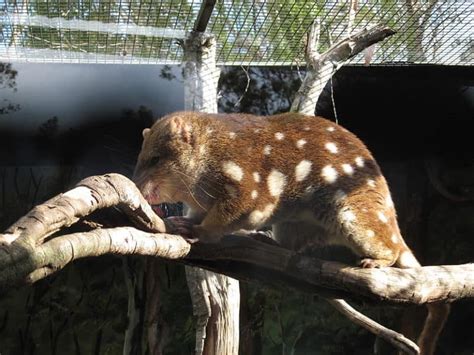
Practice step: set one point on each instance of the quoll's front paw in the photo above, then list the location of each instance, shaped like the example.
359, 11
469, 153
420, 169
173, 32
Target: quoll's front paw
368, 263
204, 236
179, 225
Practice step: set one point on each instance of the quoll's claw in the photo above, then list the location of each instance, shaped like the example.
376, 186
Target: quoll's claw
368, 263
179, 225
191, 240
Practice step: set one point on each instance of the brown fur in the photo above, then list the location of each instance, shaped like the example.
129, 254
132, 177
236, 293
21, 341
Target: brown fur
329, 181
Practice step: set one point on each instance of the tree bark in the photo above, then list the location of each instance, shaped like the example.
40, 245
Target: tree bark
30, 251
215, 298
240, 257
321, 67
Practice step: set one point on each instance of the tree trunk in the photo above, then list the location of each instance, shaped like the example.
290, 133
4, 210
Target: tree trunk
215, 298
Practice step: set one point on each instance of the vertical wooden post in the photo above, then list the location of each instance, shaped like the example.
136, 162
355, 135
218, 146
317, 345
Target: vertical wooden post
216, 298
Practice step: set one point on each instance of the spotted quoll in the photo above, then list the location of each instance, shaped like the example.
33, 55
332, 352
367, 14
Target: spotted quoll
246, 172
297, 173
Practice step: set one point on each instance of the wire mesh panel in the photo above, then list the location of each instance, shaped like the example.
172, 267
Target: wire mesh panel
261, 32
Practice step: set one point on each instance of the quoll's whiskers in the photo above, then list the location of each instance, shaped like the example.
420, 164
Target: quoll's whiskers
199, 185
192, 194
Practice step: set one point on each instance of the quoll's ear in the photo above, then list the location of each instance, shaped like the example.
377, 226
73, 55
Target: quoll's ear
182, 130
145, 132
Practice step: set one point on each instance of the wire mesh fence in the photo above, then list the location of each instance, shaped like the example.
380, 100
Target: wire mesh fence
259, 32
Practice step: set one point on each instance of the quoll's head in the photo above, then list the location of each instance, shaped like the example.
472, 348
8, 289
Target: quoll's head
169, 158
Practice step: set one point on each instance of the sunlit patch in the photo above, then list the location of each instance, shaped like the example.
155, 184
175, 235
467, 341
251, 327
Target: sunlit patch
254, 194
371, 182
347, 216
276, 182
394, 239
302, 170
408, 260
370, 233
232, 170
329, 174
382, 217
331, 147
231, 135
258, 217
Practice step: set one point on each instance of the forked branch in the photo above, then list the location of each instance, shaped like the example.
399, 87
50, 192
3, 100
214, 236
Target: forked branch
32, 249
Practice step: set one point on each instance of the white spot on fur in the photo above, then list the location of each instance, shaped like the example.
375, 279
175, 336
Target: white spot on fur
360, 162
394, 239
256, 177
209, 130
279, 136
382, 217
202, 149
254, 194
232, 170
370, 233
306, 128
347, 216
232, 135
267, 149
257, 130
389, 201
339, 196
276, 182
302, 170
347, 168
258, 217
192, 163
330, 129
407, 260
300, 143
329, 174
371, 183
331, 147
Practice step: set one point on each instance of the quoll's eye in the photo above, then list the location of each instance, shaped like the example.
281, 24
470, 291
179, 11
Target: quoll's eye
154, 160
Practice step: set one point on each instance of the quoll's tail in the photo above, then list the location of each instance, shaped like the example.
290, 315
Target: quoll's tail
437, 312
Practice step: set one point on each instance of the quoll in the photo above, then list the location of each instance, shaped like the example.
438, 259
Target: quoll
237, 171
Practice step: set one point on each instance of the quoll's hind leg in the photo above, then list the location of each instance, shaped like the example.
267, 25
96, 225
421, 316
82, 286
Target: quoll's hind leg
372, 233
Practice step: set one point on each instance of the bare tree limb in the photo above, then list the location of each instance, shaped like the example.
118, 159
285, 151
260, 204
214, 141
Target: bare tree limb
234, 256
30, 255
321, 67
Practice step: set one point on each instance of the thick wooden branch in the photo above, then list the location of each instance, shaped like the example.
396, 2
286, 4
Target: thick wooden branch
31, 250
321, 67
247, 259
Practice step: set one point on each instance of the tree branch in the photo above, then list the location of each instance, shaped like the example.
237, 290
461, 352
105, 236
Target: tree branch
32, 250
234, 256
321, 67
